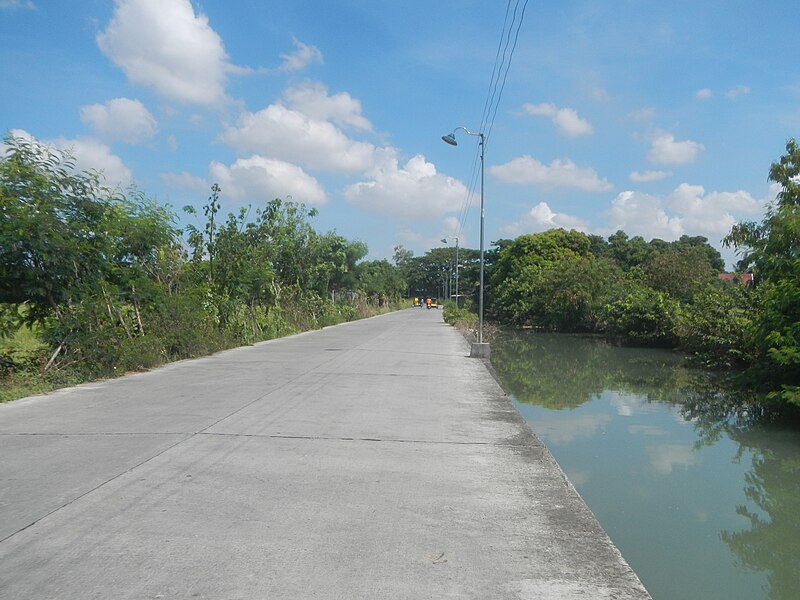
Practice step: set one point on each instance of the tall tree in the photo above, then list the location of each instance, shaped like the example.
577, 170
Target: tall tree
772, 250
64, 234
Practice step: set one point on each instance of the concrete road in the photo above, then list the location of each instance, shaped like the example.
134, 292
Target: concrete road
369, 460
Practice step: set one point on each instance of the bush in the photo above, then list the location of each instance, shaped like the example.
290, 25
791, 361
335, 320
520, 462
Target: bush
717, 326
644, 316
460, 318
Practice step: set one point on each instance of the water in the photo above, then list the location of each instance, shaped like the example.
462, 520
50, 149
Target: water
699, 488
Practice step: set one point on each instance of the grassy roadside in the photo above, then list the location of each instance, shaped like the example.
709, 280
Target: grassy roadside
29, 355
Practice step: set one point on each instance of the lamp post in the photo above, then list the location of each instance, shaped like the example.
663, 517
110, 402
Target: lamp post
480, 349
444, 241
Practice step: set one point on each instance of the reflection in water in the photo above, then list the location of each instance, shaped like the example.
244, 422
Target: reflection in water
665, 457
566, 371
708, 470
772, 543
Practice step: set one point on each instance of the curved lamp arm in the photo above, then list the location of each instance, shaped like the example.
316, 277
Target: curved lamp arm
450, 138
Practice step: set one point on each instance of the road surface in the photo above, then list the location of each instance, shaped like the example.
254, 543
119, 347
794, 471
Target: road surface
369, 460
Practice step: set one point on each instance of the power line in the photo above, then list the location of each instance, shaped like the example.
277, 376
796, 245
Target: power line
493, 97
508, 65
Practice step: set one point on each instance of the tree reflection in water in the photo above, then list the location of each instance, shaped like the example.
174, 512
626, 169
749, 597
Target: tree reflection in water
769, 431
558, 371
564, 371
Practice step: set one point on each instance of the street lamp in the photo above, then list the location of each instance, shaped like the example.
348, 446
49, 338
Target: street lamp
444, 241
480, 349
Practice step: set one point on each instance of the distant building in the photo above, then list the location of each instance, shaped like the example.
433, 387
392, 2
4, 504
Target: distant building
742, 278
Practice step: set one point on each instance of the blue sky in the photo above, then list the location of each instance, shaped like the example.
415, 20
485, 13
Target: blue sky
659, 118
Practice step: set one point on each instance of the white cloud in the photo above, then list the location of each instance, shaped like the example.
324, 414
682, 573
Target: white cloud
704, 94
312, 99
87, 154
688, 209
526, 170
541, 218
259, 178
665, 150
714, 213
279, 132
566, 120
120, 119
642, 214
415, 191
301, 57
17, 133
451, 228
648, 176
91, 154
164, 45
185, 181
739, 90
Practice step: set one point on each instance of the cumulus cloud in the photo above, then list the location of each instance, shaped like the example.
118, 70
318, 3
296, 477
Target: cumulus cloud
91, 154
312, 99
87, 154
704, 94
165, 46
566, 120
666, 151
451, 226
413, 191
541, 218
120, 119
303, 56
17, 133
648, 176
259, 178
526, 170
279, 132
643, 214
688, 209
712, 213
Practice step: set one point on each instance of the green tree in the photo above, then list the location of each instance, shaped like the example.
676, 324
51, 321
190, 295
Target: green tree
63, 234
772, 250
712, 255
680, 271
380, 280
717, 326
643, 316
628, 252
522, 268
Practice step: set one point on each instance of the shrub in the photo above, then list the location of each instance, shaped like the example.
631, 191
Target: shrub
717, 326
644, 316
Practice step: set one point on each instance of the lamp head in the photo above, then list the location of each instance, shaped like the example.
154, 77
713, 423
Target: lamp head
450, 138
444, 240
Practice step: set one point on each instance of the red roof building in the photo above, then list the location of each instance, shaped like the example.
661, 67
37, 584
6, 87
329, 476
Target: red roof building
743, 278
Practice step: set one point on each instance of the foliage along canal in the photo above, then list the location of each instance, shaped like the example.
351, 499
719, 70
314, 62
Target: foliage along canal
698, 487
